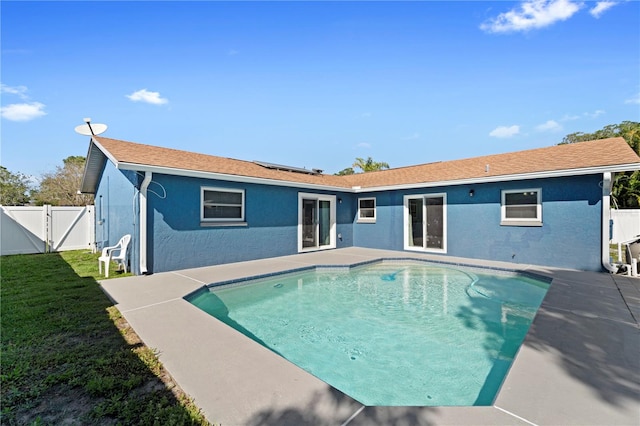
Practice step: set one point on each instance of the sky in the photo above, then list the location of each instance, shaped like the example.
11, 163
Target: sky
314, 84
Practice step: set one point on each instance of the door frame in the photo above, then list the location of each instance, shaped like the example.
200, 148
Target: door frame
332, 221
407, 227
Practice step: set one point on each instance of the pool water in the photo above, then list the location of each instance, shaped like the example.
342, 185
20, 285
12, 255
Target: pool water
393, 334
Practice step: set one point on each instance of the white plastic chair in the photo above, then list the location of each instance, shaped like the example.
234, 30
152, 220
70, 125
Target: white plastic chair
120, 258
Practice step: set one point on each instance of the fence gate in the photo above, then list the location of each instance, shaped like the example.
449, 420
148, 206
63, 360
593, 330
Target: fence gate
41, 229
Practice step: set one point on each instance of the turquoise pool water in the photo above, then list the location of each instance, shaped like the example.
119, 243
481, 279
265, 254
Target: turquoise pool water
408, 334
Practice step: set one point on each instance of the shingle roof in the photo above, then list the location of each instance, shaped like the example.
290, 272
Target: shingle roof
612, 154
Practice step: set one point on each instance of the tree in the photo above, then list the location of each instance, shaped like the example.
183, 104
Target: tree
626, 186
61, 187
345, 172
14, 188
369, 165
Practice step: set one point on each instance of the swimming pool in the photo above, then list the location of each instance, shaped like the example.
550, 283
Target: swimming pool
390, 333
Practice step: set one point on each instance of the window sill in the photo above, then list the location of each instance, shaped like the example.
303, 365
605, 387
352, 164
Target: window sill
520, 223
222, 224
366, 221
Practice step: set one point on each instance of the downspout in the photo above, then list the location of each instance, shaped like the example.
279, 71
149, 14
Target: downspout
143, 222
607, 182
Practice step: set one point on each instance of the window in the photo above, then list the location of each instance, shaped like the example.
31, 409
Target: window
366, 210
521, 207
222, 205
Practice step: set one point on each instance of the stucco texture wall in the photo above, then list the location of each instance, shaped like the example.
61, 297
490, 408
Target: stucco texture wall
570, 236
179, 240
116, 209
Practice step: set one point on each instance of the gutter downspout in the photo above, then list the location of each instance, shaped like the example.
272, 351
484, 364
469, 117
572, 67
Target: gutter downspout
143, 222
607, 183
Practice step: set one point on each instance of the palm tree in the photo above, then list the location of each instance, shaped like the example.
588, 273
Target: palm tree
369, 165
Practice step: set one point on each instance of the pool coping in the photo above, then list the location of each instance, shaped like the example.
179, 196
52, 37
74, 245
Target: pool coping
577, 365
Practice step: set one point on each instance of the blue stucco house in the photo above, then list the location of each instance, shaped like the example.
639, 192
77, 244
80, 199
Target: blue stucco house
547, 206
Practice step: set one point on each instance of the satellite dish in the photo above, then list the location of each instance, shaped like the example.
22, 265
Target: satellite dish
88, 129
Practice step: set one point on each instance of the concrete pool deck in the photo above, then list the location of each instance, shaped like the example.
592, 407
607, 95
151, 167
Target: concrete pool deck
579, 364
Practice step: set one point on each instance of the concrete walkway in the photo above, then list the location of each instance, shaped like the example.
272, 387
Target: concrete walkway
579, 364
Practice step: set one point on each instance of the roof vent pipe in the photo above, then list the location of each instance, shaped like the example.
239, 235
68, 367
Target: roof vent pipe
486, 168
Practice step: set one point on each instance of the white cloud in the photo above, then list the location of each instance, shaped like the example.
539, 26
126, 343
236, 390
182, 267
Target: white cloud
568, 117
505, 132
20, 91
149, 97
23, 112
594, 114
549, 126
633, 100
533, 14
601, 7
364, 145
412, 137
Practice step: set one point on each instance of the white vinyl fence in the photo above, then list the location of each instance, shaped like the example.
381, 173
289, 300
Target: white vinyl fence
626, 225
41, 229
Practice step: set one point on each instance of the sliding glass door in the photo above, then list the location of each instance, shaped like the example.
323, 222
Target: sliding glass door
316, 224
425, 222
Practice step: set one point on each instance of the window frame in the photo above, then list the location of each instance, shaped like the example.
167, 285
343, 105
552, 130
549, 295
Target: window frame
524, 221
223, 220
367, 219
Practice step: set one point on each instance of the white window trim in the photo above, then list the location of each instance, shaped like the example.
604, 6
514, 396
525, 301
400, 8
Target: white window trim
367, 219
405, 214
222, 221
537, 221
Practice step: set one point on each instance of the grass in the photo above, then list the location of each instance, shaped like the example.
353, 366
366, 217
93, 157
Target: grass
69, 357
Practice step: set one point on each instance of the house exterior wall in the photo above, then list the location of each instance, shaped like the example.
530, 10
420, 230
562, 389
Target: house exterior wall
116, 208
179, 240
570, 236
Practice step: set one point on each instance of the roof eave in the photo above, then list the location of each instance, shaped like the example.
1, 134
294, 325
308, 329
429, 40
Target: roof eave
501, 178
227, 177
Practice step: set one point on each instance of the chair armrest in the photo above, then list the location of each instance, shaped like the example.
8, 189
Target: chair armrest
106, 251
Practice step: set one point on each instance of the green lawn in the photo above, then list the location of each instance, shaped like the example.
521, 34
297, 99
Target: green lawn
68, 357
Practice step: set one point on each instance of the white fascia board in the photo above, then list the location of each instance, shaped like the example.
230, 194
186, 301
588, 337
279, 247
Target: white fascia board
358, 189
227, 177
503, 178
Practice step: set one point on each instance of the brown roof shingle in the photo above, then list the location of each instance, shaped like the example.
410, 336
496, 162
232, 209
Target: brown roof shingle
611, 153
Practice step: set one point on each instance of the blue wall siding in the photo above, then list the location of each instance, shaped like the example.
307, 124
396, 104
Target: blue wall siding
116, 203
271, 213
570, 236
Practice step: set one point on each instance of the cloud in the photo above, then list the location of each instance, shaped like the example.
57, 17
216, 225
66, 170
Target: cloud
549, 126
364, 145
149, 97
633, 100
23, 112
505, 132
412, 137
20, 91
601, 7
533, 14
594, 114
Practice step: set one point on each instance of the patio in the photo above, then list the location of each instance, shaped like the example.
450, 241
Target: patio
579, 363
